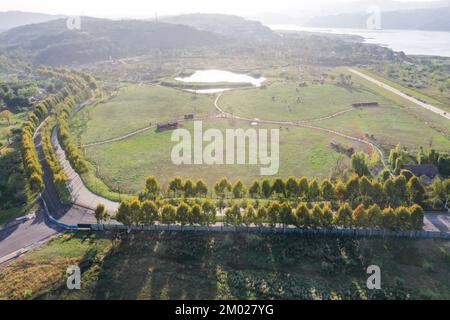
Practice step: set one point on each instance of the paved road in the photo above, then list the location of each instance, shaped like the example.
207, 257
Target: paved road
80, 194
437, 221
403, 95
17, 240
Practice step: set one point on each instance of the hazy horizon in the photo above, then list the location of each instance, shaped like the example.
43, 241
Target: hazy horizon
145, 9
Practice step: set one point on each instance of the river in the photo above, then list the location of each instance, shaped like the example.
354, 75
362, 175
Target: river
412, 42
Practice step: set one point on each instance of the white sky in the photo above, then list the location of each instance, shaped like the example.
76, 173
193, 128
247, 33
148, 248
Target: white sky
148, 8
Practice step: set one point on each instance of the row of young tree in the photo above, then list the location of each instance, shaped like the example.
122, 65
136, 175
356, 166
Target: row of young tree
59, 177
75, 89
405, 189
273, 213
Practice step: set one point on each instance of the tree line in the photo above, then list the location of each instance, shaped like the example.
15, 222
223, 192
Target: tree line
203, 212
387, 191
76, 89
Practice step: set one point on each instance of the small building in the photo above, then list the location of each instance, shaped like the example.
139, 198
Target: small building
188, 117
167, 126
365, 104
429, 170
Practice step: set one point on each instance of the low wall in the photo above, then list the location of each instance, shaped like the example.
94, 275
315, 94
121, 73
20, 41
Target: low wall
253, 229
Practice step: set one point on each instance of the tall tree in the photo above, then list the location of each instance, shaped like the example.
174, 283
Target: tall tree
389, 220
316, 216
400, 190
123, 214
340, 191
403, 218
273, 213
360, 217
352, 188
302, 215
238, 190
249, 215
175, 186
344, 216
168, 214
149, 212
303, 189
326, 190
188, 188
327, 217
417, 216
233, 215
261, 216
415, 191
201, 188
278, 187
222, 187
266, 188
152, 188
291, 187
196, 215
209, 212
313, 190
359, 164
255, 189
286, 215
100, 213
374, 216
183, 212
135, 211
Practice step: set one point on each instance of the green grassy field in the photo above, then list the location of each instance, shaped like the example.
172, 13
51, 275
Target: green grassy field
287, 101
135, 107
127, 163
390, 125
302, 152
230, 266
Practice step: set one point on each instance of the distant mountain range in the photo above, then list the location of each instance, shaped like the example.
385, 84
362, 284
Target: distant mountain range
226, 25
12, 19
434, 19
300, 17
52, 43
